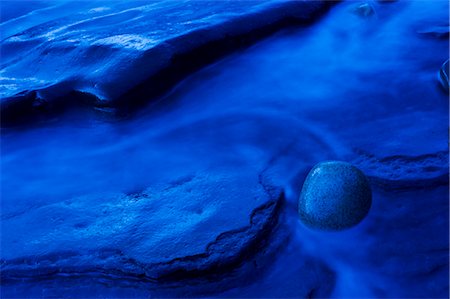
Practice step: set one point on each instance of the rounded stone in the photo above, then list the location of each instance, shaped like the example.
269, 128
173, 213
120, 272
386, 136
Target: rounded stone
335, 196
364, 10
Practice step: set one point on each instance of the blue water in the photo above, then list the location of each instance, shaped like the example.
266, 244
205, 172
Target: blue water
362, 89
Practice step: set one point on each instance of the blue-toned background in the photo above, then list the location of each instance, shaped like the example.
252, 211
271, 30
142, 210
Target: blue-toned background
158, 148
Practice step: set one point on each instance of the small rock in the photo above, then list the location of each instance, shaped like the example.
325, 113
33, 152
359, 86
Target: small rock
335, 196
443, 75
364, 10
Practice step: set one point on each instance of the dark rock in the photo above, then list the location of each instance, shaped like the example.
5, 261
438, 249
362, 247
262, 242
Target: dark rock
335, 196
441, 32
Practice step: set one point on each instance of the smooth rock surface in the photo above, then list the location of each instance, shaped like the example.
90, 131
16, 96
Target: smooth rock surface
335, 196
131, 226
362, 90
65, 55
188, 201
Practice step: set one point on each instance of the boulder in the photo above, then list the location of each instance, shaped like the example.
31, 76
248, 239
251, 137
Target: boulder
335, 196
